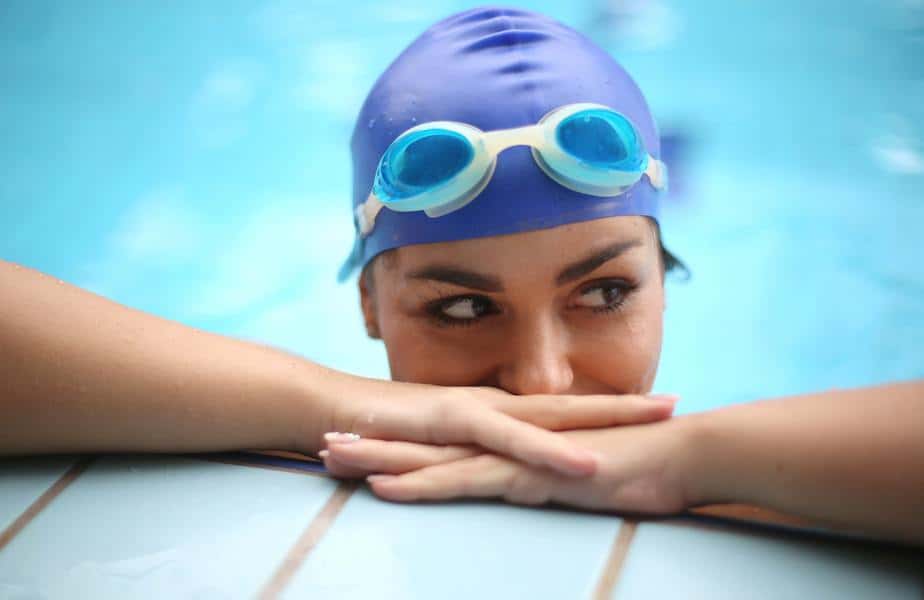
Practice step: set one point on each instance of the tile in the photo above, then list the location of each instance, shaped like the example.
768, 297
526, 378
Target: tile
158, 527
24, 479
694, 561
461, 550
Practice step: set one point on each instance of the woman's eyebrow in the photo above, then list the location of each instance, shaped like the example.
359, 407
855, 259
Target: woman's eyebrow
594, 261
461, 277
490, 283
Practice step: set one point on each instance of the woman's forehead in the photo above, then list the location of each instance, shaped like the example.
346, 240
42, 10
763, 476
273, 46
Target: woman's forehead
532, 248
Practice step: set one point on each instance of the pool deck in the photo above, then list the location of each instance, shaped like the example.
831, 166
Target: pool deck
242, 525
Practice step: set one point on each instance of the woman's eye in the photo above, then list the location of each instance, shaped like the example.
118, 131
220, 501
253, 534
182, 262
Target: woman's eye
602, 297
462, 310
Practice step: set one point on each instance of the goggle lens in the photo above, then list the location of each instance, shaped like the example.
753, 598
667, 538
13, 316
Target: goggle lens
602, 139
421, 161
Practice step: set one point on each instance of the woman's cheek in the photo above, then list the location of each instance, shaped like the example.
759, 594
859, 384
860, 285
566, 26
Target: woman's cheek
621, 353
421, 352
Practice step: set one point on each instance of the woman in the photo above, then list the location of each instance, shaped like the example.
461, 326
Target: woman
549, 280
511, 259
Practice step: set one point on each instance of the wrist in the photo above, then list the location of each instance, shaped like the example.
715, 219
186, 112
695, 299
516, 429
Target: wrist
320, 403
700, 472
351, 403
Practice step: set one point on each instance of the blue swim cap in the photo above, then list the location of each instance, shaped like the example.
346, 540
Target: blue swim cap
495, 68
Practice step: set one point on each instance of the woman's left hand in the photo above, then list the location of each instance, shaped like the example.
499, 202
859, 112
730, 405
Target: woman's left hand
642, 469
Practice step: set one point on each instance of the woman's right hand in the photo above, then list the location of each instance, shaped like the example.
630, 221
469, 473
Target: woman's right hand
519, 427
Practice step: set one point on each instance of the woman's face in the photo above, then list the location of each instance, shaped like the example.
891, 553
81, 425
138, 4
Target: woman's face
576, 309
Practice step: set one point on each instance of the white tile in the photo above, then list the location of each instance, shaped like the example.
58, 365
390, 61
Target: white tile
143, 527
690, 561
461, 550
23, 480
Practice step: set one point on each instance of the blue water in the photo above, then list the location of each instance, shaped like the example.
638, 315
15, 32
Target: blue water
191, 159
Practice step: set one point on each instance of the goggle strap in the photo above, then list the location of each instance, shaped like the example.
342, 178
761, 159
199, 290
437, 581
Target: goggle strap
352, 261
366, 214
657, 173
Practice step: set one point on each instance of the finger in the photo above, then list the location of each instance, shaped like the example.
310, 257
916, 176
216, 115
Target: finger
478, 477
341, 470
559, 413
464, 420
377, 456
510, 437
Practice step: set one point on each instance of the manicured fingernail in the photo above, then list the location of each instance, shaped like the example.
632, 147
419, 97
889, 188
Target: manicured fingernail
379, 478
335, 437
672, 398
324, 453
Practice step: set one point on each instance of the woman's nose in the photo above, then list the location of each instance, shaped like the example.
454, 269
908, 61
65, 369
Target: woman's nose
537, 359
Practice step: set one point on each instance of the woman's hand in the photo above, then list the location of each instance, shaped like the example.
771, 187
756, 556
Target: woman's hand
492, 420
850, 460
641, 469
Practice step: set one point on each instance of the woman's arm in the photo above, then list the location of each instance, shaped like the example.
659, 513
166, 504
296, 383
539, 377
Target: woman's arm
79, 373
851, 460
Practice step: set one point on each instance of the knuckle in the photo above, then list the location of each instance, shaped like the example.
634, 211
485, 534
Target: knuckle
523, 488
476, 393
558, 411
566, 403
492, 400
450, 453
443, 417
468, 475
511, 443
640, 402
481, 463
483, 395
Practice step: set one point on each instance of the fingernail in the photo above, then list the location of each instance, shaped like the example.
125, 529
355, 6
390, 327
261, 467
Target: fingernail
379, 478
672, 398
324, 453
335, 437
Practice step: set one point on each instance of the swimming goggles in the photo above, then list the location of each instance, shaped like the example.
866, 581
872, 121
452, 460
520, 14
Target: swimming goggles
441, 166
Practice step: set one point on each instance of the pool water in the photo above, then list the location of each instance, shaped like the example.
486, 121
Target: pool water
191, 160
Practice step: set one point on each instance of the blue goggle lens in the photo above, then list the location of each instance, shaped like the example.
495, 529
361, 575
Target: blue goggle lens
602, 139
421, 161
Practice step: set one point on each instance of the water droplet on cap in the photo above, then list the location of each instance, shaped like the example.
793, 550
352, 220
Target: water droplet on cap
371, 123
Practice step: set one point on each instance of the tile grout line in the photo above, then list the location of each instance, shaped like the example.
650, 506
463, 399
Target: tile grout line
615, 560
307, 542
72, 473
